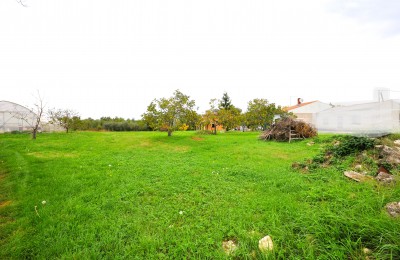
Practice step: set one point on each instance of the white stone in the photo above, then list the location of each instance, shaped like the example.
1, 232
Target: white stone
393, 209
229, 247
356, 176
265, 244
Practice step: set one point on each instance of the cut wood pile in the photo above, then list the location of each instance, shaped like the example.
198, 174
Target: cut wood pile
287, 128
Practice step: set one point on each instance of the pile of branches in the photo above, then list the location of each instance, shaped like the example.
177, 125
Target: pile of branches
281, 130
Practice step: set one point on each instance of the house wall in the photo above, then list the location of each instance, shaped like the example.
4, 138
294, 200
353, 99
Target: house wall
307, 112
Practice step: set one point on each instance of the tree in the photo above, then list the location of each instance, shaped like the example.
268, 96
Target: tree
33, 116
230, 118
261, 113
225, 102
211, 117
169, 113
65, 118
21, 2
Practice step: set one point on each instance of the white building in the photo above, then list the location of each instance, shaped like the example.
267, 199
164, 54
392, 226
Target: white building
306, 111
14, 117
373, 118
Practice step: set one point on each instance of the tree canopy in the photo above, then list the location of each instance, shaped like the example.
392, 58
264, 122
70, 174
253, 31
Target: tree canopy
261, 113
170, 113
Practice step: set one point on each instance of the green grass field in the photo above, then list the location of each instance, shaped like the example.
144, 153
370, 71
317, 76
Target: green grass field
146, 196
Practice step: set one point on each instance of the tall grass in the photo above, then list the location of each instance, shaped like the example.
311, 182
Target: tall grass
144, 195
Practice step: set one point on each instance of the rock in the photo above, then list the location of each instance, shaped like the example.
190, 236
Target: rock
357, 176
385, 178
367, 251
358, 167
393, 209
229, 247
390, 155
265, 244
397, 142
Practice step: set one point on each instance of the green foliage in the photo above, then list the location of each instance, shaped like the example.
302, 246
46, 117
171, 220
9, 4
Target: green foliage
346, 145
260, 113
229, 118
226, 102
170, 113
119, 196
110, 124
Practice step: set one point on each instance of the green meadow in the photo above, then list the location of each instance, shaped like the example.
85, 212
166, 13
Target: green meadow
143, 195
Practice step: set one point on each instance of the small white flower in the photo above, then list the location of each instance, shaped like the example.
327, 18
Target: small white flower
181, 212
44, 202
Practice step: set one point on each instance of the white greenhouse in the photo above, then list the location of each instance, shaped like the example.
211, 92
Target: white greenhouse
373, 118
14, 117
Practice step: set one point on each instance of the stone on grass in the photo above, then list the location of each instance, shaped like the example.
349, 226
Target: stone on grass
265, 244
359, 177
385, 178
393, 209
229, 247
397, 142
358, 167
367, 251
390, 155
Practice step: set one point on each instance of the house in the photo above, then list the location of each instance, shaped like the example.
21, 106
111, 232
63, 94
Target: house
372, 118
14, 117
306, 111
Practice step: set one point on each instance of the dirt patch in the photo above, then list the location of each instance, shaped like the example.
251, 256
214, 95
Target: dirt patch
5, 203
52, 155
196, 138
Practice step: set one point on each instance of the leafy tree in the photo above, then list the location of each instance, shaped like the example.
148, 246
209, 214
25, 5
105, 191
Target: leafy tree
225, 102
230, 118
65, 118
261, 113
211, 117
169, 113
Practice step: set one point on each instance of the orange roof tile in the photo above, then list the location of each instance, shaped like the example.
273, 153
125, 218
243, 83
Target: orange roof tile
298, 105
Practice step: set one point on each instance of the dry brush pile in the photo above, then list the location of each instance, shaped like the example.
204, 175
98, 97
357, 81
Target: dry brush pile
281, 130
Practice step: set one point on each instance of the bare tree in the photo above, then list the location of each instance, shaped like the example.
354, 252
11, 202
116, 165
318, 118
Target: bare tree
32, 117
65, 118
21, 2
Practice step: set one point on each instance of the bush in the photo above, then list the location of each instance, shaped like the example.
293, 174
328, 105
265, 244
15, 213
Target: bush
346, 145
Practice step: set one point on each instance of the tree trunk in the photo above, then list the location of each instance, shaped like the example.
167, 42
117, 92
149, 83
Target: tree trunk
169, 132
34, 134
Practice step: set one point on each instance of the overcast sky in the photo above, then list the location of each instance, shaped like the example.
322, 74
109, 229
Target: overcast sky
113, 57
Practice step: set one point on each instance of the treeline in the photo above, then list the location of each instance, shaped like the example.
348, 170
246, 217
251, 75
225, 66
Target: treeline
108, 124
178, 112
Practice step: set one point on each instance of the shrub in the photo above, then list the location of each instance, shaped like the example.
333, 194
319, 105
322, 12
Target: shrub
346, 145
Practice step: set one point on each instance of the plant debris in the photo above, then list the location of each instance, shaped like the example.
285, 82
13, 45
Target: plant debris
284, 128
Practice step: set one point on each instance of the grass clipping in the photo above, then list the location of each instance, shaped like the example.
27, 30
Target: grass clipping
281, 130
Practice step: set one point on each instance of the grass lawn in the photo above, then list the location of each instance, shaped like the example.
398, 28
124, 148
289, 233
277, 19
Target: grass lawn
145, 195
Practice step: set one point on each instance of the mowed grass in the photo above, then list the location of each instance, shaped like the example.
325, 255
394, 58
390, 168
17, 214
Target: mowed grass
148, 196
